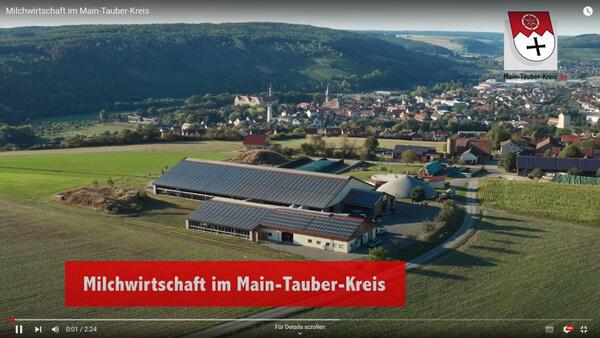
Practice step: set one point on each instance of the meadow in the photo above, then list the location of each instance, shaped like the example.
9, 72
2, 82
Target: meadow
572, 203
96, 129
28, 178
512, 267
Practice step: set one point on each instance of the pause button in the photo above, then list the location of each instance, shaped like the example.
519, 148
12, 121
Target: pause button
18, 329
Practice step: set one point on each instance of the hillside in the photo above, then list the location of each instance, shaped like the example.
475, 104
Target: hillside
580, 47
50, 71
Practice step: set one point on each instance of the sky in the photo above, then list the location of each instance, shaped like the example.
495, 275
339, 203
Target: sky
469, 15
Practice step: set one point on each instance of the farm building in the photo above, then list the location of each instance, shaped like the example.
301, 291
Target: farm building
203, 180
433, 169
255, 222
468, 157
562, 164
404, 184
324, 165
481, 148
256, 142
423, 154
512, 146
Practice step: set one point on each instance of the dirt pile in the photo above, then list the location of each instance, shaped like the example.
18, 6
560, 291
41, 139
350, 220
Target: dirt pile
108, 199
259, 157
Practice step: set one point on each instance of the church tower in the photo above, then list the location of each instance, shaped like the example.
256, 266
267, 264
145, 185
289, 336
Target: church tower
269, 102
564, 121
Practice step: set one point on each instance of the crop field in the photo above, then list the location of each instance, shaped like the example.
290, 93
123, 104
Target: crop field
36, 240
442, 41
513, 267
552, 200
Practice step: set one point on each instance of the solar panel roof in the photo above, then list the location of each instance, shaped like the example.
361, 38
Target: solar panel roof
362, 198
248, 216
274, 185
557, 163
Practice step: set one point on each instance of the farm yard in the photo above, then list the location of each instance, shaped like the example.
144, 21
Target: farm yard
513, 267
552, 200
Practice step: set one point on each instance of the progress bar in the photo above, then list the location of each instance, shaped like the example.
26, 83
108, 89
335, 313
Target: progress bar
298, 319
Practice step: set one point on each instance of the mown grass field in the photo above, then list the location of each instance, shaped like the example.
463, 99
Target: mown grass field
513, 267
552, 200
34, 177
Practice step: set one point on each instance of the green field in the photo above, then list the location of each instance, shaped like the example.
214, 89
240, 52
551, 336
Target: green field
513, 267
585, 54
97, 129
36, 240
28, 178
38, 234
552, 200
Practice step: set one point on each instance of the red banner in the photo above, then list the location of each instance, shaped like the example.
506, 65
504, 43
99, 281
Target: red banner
234, 283
528, 22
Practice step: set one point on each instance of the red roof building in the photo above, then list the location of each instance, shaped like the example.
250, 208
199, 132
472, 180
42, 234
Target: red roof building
569, 138
256, 141
481, 147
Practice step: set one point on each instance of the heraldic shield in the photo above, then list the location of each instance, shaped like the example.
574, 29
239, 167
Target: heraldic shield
532, 34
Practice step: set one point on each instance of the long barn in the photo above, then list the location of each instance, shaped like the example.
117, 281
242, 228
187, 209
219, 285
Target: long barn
584, 165
255, 222
203, 180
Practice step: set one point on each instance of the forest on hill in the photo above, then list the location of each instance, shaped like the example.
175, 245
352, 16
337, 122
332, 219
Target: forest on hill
55, 71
